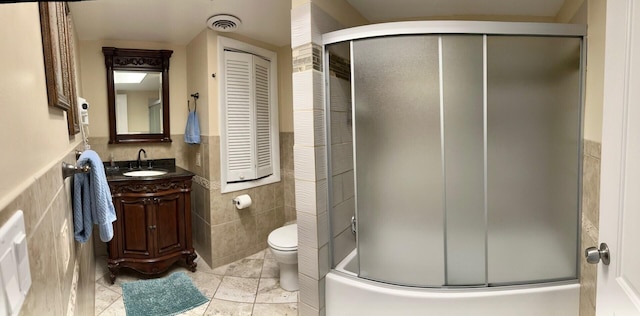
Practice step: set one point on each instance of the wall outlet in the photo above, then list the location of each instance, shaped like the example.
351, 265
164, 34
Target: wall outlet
198, 160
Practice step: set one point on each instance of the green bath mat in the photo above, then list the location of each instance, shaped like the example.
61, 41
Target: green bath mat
161, 297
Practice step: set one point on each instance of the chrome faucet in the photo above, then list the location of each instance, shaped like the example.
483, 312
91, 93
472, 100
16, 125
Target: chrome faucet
145, 156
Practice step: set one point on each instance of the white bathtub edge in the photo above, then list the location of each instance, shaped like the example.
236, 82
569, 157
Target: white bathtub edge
351, 296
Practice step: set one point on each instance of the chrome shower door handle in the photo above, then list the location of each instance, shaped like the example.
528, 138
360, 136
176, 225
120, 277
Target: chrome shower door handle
593, 254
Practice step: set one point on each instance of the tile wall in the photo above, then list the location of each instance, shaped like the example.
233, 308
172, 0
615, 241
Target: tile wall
308, 23
343, 195
590, 219
62, 270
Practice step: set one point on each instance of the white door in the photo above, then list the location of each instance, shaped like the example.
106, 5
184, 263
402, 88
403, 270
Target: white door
619, 282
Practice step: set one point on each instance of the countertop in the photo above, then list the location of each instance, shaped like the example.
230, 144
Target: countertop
115, 173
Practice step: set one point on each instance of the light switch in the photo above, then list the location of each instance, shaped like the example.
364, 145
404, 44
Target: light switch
15, 274
22, 261
10, 279
4, 306
20, 247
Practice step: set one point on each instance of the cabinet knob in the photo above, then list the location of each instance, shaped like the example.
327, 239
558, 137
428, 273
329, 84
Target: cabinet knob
152, 227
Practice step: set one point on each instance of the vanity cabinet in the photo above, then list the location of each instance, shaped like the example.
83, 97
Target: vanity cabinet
153, 226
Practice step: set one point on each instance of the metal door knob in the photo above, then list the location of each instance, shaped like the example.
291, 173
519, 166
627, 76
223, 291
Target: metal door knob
593, 254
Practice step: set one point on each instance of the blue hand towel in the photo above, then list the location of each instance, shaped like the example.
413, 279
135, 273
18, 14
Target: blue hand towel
192, 132
92, 202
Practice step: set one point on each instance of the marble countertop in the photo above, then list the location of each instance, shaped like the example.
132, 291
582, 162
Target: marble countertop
115, 171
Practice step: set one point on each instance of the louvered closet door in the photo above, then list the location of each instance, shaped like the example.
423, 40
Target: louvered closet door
263, 117
239, 120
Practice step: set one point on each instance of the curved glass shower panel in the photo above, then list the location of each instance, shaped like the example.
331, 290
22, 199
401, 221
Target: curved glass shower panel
341, 162
399, 181
463, 95
533, 158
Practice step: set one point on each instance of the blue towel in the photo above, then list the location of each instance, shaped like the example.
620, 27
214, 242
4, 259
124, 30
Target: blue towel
92, 202
192, 132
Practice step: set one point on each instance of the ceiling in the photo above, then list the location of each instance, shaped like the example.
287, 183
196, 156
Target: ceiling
386, 10
179, 21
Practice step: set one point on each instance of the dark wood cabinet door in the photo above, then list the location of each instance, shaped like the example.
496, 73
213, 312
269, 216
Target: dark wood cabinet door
136, 227
153, 229
169, 223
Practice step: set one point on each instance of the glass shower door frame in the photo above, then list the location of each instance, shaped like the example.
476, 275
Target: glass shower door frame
443, 28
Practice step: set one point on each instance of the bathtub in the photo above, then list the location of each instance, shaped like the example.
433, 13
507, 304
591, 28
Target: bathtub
346, 294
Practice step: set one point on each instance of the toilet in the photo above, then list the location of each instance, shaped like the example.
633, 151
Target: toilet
283, 243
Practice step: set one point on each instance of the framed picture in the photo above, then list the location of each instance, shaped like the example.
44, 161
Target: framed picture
57, 44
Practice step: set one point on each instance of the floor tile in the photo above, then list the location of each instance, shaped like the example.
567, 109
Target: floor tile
246, 268
269, 291
203, 266
115, 309
206, 283
237, 289
232, 289
258, 255
226, 308
221, 270
124, 276
198, 311
268, 254
270, 269
104, 298
275, 309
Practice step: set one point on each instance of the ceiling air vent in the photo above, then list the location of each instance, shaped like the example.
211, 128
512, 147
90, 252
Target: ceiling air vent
223, 23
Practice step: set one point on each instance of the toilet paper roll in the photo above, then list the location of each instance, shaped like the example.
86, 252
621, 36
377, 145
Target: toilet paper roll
242, 201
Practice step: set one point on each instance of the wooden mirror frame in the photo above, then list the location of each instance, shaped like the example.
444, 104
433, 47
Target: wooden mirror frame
143, 60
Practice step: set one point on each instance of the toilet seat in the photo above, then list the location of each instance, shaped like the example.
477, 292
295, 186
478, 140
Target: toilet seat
284, 238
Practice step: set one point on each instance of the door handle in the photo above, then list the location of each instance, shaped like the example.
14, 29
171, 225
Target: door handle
594, 255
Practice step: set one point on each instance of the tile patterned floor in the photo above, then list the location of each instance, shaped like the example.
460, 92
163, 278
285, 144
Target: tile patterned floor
249, 286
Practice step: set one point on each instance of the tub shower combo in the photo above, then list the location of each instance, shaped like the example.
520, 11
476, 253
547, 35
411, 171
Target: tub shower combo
454, 168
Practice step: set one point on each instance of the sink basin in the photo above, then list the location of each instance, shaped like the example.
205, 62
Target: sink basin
144, 173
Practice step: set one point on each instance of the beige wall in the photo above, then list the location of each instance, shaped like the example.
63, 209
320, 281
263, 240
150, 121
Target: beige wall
595, 70
573, 11
205, 46
94, 87
36, 135
285, 92
30, 178
199, 79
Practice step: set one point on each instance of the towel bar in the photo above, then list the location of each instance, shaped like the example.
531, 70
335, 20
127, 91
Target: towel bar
69, 170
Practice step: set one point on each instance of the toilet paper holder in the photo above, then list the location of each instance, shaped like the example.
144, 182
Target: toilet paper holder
242, 201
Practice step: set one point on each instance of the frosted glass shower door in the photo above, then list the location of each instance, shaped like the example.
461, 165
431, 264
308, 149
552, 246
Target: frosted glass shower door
533, 158
399, 180
462, 99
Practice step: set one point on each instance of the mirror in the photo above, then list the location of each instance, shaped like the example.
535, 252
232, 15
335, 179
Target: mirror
138, 94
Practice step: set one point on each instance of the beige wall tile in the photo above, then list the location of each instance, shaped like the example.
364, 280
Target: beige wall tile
30, 203
222, 240
591, 188
246, 233
590, 218
44, 297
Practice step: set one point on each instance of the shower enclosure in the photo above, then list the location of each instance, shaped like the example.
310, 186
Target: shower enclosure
456, 147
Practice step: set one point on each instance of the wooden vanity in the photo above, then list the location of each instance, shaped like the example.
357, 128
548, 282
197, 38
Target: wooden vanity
153, 226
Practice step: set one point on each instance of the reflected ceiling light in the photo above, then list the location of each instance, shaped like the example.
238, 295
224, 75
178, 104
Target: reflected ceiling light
128, 77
